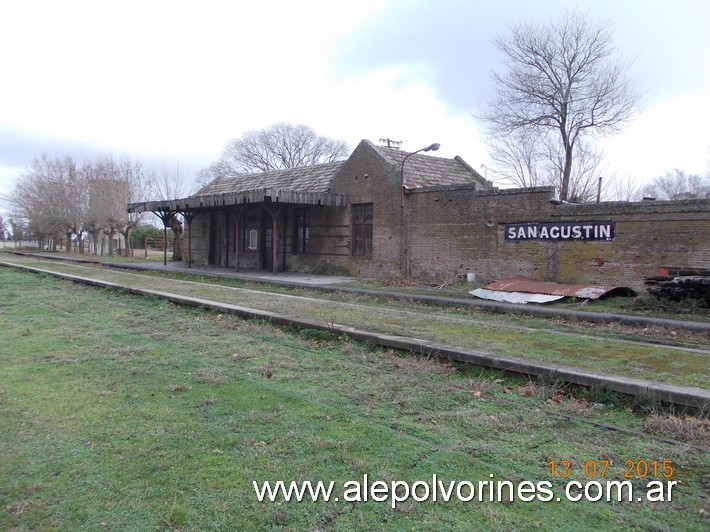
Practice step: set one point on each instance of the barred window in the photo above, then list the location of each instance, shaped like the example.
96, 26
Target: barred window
302, 225
362, 229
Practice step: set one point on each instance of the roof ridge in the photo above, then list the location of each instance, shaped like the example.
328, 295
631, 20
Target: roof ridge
314, 178
378, 150
283, 170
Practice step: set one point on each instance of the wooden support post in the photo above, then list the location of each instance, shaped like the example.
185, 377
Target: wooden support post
237, 238
165, 242
274, 210
275, 241
226, 239
165, 217
188, 219
188, 216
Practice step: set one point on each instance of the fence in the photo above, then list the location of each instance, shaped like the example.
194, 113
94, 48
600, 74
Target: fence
153, 246
12, 244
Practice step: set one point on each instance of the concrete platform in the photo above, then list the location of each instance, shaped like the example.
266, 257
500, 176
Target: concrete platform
694, 398
247, 275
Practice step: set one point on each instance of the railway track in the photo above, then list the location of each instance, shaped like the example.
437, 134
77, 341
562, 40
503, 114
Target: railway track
433, 332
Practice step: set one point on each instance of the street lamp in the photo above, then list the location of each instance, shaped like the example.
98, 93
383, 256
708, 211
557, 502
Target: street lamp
431, 147
404, 245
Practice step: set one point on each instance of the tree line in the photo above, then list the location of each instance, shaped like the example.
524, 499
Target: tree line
60, 200
562, 85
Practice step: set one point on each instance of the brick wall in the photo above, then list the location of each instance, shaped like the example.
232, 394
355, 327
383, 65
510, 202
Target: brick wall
369, 178
649, 235
459, 231
213, 239
451, 231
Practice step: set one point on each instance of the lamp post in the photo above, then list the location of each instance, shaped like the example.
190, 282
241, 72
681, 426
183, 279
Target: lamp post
404, 257
431, 147
599, 190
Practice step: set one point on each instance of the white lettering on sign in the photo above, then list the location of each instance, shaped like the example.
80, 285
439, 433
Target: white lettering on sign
563, 231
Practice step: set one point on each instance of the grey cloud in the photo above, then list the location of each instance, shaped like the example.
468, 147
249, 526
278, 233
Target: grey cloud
18, 147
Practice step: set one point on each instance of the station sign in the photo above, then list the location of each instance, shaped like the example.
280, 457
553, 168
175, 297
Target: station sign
561, 231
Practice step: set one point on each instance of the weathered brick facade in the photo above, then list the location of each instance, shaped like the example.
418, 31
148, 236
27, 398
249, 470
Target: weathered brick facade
456, 232
452, 223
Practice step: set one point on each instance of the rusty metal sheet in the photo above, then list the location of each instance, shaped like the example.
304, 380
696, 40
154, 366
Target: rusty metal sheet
526, 291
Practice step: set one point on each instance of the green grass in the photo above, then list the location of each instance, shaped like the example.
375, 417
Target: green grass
137, 256
643, 305
130, 413
581, 345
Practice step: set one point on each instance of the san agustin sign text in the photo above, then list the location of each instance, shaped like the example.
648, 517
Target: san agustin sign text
567, 231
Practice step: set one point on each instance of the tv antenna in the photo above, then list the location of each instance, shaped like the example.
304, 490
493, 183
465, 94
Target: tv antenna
391, 143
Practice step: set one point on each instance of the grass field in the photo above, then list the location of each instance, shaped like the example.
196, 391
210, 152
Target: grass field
119, 412
643, 305
591, 347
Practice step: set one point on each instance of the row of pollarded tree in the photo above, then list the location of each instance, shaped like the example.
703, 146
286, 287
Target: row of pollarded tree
60, 199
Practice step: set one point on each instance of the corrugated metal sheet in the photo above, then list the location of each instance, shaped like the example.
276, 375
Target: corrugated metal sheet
513, 297
523, 290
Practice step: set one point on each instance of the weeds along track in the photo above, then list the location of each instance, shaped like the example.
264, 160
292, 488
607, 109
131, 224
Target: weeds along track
596, 349
265, 299
407, 312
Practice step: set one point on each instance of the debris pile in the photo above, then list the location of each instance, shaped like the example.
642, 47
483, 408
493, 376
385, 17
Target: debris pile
677, 284
523, 290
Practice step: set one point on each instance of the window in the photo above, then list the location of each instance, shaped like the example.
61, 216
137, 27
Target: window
268, 232
253, 239
362, 229
302, 227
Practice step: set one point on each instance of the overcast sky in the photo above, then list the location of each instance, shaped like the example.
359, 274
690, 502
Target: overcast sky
178, 79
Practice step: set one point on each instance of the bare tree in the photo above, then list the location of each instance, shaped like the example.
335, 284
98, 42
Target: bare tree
170, 180
518, 159
111, 184
26, 199
103, 209
58, 198
679, 185
73, 194
134, 187
523, 160
624, 190
97, 205
561, 83
277, 147
18, 228
584, 185
49, 196
206, 175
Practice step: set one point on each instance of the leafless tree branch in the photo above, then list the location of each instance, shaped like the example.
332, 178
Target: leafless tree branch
563, 78
278, 147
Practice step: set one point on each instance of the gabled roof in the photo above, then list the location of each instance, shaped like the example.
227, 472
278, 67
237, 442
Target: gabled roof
304, 186
307, 179
311, 185
421, 171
